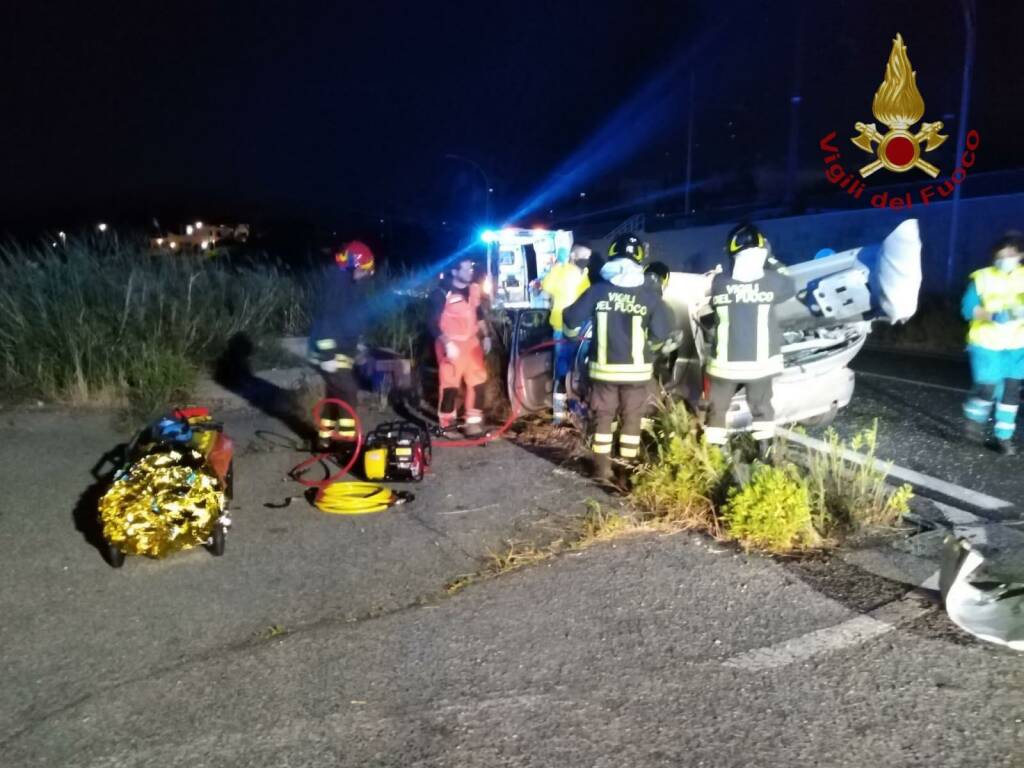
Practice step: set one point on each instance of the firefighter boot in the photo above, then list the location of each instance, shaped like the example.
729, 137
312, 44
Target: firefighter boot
603, 468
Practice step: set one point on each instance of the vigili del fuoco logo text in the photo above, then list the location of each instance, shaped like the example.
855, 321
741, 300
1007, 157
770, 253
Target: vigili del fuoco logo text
898, 106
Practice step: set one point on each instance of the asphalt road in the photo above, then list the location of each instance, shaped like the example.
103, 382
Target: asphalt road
326, 641
918, 401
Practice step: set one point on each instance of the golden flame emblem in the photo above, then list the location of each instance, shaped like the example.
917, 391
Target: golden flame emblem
898, 105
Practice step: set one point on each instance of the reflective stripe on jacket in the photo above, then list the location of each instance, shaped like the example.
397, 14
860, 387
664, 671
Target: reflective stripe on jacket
564, 283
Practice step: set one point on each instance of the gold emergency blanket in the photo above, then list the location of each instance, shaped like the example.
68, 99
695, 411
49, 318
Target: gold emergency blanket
164, 503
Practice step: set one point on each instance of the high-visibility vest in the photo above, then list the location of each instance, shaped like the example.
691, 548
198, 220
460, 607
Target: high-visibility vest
565, 282
998, 291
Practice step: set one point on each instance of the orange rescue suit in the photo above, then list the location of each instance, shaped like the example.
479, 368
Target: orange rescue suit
459, 323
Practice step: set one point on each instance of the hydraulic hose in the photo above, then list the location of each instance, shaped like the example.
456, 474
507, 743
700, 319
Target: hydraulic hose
345, 498
363, 498
517, 403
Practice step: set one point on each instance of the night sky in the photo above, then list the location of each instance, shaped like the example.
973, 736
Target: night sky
333, 110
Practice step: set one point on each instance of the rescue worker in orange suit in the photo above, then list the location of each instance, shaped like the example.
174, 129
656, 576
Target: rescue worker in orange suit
630, 321
336, 338
461, 342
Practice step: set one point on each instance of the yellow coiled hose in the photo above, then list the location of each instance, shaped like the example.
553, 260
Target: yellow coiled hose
356, 498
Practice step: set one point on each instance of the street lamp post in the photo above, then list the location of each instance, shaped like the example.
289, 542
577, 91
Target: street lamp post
488, 189
970, 13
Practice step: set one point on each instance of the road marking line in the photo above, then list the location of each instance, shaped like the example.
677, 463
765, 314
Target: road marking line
901, 380
918, 480
853, 632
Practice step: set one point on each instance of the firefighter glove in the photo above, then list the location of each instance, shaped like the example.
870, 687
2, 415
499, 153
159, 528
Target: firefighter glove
451, 350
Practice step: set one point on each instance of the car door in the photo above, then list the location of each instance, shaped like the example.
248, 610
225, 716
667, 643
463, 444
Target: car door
531, 360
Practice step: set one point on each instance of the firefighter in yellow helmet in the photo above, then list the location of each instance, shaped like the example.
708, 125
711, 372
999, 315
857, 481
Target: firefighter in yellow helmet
630, 319
747, 347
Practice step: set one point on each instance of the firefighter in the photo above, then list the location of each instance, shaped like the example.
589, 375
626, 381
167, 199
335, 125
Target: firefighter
629, 319
564, 283
994, 307
747, 340
461, 342
336, 338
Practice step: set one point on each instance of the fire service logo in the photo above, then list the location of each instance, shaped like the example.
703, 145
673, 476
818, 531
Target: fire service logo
898, 106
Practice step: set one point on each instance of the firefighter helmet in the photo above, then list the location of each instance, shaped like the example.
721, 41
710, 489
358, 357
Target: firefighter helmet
355, 255
627, 246
745, 236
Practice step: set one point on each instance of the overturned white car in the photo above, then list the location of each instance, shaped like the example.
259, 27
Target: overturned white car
838, 297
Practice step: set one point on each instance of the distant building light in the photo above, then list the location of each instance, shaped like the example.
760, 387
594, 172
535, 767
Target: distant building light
54, 243
199, 225
159, 241
205, 244
189, 230
173, 244
490, 189
62, 235
583, 194
102, 227
382, 221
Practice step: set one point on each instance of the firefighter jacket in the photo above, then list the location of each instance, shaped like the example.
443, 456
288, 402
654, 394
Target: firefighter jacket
339, 319
456, 313
629, 319
564, 283
747, 338
997, 292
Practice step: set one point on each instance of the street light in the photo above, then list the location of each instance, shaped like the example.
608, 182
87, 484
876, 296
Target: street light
102, 226
970, 12
488, 190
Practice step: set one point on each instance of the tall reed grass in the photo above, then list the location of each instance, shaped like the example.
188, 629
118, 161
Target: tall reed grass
106, 320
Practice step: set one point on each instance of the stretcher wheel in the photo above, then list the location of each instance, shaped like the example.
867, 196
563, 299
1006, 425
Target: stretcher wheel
217, 540
229, 481
115, 557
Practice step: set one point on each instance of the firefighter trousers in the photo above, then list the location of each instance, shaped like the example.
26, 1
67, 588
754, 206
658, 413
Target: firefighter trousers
628, 403
340, 385
759, 399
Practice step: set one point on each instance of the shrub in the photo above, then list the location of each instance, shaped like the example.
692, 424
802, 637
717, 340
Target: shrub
772, 512
682, 476
847, 495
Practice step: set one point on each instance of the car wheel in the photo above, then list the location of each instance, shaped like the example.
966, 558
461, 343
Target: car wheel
114, 556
